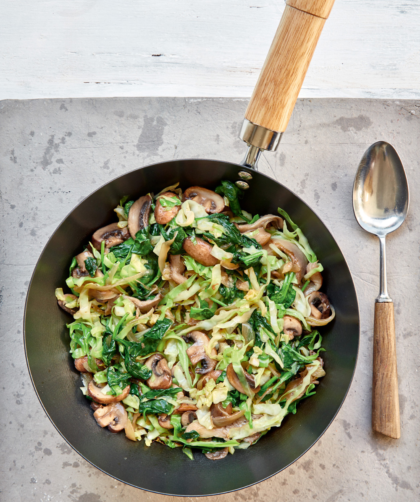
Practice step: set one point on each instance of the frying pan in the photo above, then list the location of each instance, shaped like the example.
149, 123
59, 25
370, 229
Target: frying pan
158, 468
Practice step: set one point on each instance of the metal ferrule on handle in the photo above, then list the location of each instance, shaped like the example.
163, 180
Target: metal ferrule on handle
282, 75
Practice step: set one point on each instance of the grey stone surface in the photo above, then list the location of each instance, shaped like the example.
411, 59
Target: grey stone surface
55, 152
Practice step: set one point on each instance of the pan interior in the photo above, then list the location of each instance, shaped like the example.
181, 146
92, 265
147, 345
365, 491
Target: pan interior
159, 468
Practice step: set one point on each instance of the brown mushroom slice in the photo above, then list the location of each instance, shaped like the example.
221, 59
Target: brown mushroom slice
111, 234
197, 352
138, 216
261, 236
161, 374
68, 299
235, 382
113, 416
298, 260
218, 454
320, 305
242, 285
316, 279
81, 258
318, 373
184, 407
95, 406
145, 305
211, 201
223, 416
253, 438
82, 365
177, 268
204, 379
165, 421
97, 395
218, 432
164, 215
291, 326
201, 251
77, 273
104, 296
276, 221
188, 417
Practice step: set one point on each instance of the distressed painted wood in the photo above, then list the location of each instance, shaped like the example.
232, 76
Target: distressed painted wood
385, 402
82, 48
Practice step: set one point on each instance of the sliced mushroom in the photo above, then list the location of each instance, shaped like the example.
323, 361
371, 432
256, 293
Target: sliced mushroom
261, 236
81, 258
318, 373
253, 438
316, 279
77, 273
177, 268
211, 201
320, 305
204, 379
164, 215
201, 251
165, 421
97, 395
197, 352
111, 234
218, 454
68, 299
188, 417
81, 364
161, 374
242, 285
145, 305
113, 416
291, 326
138, 216
104, 296
217, 432
298, 260
276, 221
184, 407
95, 406
223, 416
235, 382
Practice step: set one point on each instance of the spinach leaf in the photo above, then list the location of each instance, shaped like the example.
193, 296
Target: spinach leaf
285, 295
109, 349
152, 266
247, 260
153, 394
257, 322
91, 266
176, 246
289, 356
135, 369
222, 377
312, 341
204, 312
235, 397
233, 194
230, 294
150, 340
127, 207
231, 233
141, 245
191, 435
115, 378
134, 389
155, 406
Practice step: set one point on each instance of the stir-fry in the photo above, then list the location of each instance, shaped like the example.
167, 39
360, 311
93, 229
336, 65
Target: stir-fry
194, 321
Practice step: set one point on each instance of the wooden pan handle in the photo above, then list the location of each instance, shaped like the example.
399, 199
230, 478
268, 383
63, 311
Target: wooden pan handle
285, 67
385, 404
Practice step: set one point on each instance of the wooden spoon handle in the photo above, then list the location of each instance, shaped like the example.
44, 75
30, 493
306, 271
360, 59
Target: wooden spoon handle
285, 67
385, 404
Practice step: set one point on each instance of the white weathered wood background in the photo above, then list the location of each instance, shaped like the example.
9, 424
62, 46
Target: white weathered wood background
79, 48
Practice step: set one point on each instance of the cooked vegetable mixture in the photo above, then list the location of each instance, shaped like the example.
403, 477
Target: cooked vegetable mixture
194, 320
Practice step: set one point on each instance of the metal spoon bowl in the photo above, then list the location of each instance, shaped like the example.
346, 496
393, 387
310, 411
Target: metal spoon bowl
380, 203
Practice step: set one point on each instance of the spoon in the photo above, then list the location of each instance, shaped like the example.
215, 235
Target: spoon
380, 203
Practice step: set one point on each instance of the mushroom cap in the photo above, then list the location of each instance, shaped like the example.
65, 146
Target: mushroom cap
211, 201
164, 215
320, 305
262, 237
145, 305
262, 222
165, 421
62, 303
185, 407
97, 395
223, 416
218, 454
138, 216
113, 416
161, 377
201, 251
235, 382
292, 326
204, 379
298, 259
111, 234
197, 352
188, 417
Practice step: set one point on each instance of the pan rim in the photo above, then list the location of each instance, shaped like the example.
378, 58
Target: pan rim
251, 171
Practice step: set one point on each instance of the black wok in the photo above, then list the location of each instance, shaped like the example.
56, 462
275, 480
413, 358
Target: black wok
159, 468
